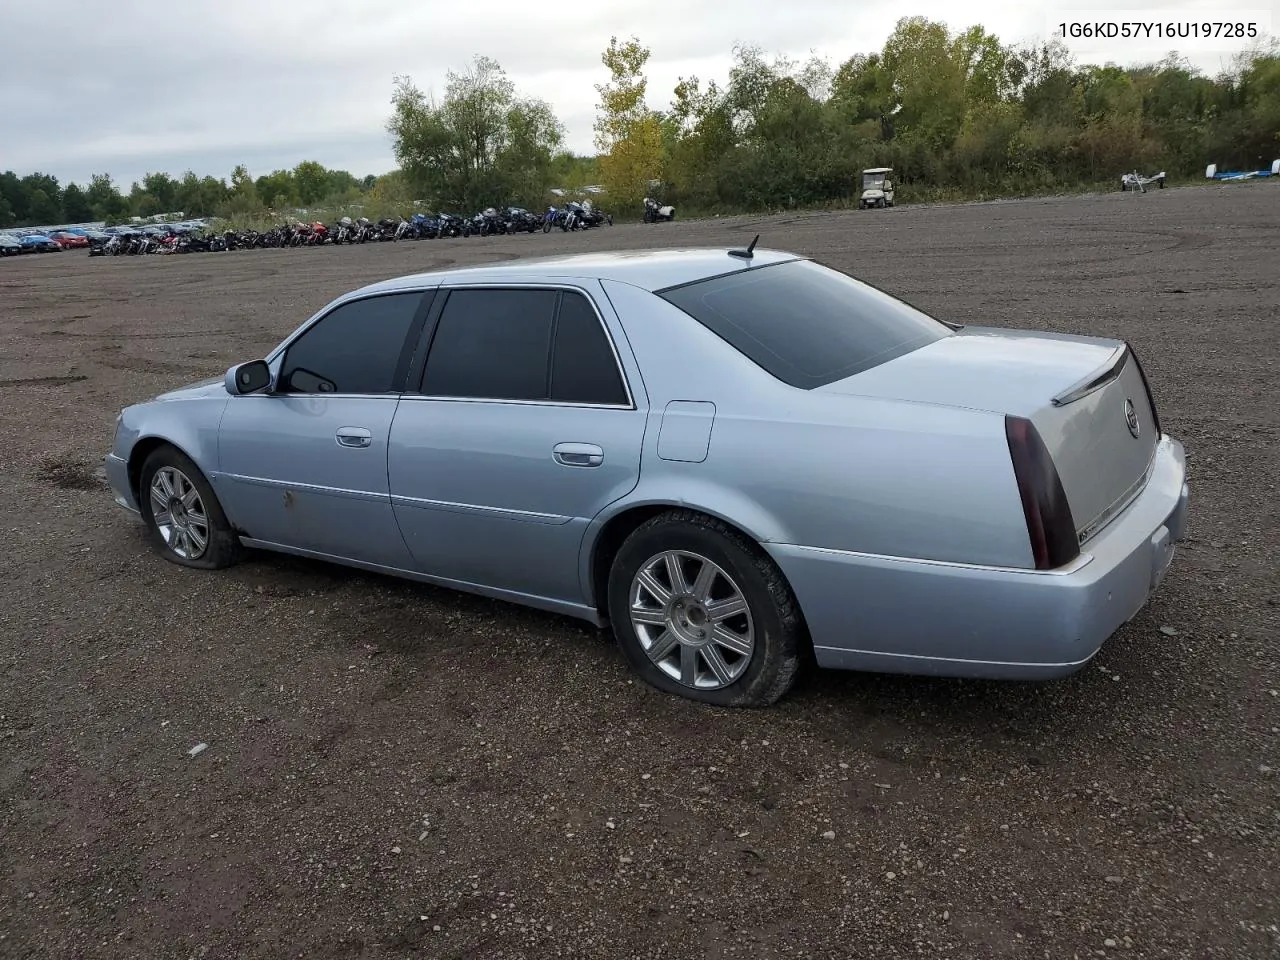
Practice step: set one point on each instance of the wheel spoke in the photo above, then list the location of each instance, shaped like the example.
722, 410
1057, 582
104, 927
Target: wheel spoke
721, 610
648, 616
731, 641
655, 589
198, 539
702, 584
662, 647
162, 517
715, 661
674, 573
688, 665
191, 500
166, 483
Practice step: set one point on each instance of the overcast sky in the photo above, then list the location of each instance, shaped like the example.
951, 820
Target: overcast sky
131, 87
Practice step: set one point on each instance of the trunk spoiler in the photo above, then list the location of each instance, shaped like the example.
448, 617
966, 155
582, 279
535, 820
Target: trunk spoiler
1104, 375
1096, 380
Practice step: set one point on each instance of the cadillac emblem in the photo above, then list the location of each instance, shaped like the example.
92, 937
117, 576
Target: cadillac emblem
1131, 418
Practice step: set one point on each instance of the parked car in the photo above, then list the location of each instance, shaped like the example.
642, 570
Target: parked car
39, 243
731, 457
9, 246
69, 241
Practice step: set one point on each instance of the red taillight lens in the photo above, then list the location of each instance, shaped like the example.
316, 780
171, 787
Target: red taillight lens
1050, 525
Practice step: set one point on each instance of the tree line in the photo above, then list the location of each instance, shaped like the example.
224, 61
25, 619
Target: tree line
39, 199
956, 114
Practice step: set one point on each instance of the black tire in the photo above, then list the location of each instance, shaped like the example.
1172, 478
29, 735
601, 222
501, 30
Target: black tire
223, 548
780, 635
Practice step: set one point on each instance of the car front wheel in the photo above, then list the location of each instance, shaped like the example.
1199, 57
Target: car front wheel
701, 612
182, 513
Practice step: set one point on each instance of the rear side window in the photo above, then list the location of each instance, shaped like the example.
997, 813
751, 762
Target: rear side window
583, 367
355, 348
806, 324
522, 345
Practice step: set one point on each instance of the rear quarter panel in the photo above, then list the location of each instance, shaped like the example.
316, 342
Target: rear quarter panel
871, 475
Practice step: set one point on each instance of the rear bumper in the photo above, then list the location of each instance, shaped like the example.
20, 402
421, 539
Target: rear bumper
118, 480
896, 615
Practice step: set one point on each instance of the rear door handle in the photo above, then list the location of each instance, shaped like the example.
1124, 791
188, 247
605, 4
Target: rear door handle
354, 437
578, 454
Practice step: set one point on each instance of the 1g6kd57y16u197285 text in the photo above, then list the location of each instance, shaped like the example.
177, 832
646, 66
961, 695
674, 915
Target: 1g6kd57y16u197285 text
1136, 31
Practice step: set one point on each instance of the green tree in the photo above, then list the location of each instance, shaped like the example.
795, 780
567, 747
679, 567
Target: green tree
628, 134
15, 194
75, 205
481, 145
164, 191
928, 78
105, 200
311, 182
243, 196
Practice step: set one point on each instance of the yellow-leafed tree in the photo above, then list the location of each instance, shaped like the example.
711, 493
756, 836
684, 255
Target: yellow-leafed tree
628, 133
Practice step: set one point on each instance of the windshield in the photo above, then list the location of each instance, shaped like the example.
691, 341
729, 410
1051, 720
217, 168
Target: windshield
806, 324
873, 181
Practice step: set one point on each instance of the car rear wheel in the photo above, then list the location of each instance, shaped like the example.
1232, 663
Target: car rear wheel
182, 513
701, 612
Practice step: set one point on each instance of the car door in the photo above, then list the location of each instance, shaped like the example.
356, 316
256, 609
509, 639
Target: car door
304, 465
525, 427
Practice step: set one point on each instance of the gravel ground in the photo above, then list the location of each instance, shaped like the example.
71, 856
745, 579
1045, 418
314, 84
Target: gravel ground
395, 770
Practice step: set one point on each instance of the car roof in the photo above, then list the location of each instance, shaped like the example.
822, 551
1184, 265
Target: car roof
650, 270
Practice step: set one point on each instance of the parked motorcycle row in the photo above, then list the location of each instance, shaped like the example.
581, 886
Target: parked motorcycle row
420, 226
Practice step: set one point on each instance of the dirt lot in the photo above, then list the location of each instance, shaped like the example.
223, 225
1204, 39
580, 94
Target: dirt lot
394, 770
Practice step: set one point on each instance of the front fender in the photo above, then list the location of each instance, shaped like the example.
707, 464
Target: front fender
190, 425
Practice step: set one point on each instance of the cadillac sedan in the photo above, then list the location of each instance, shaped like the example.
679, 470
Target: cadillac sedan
734, 459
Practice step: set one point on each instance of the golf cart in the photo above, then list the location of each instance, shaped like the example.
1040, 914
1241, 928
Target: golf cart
877, 188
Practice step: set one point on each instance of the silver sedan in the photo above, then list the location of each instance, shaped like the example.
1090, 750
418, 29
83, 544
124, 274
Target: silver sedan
736, 459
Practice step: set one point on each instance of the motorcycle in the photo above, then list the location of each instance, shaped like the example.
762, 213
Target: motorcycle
653, 213
449, 225
591, 217
520, 220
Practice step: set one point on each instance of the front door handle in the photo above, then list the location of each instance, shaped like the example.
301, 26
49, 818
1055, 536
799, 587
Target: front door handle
354, 437
578, 454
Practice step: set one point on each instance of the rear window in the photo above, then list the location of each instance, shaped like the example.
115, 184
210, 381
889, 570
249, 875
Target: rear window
806, 324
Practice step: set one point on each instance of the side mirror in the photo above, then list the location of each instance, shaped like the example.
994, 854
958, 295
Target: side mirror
248, 377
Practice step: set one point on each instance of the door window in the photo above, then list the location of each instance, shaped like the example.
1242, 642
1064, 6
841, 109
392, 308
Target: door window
508, 344
355, 348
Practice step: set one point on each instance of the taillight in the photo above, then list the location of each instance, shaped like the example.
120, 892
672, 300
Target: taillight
1050, 525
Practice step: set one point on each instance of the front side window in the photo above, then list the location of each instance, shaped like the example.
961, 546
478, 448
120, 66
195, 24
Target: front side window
806, 324
522, 345
355, 348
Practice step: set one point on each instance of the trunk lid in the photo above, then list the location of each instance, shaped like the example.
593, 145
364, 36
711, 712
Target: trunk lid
1086, 396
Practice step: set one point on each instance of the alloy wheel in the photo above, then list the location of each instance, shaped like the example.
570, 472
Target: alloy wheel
179, 513
692, 620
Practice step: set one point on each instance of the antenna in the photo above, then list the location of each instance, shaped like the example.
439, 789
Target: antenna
748, 253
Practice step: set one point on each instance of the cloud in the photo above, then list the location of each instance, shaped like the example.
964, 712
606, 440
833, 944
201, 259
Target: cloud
133, 88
